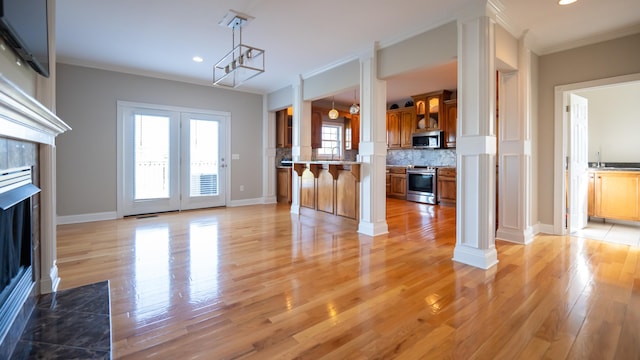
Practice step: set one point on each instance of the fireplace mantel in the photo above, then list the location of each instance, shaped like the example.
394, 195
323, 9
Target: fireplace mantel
23, 117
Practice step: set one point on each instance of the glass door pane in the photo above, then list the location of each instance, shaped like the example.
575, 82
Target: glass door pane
204, 158
151, 153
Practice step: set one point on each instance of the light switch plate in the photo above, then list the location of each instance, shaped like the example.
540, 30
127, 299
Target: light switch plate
235, 156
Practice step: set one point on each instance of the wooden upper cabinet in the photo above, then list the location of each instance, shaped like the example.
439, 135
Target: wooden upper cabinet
451, 122
407, 125
429, 108
316, 128
400, 126
393, 129
284, 133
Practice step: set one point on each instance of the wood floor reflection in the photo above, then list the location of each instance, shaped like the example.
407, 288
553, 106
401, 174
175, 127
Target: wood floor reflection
258, 283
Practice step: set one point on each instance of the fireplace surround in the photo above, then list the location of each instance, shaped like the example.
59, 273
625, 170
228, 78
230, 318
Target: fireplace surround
27, 147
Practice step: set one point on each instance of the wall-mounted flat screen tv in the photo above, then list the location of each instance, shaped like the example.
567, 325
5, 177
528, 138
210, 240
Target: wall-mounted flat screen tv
23, 25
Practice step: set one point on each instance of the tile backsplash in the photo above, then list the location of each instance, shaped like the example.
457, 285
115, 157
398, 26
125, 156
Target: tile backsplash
429, 157
424, 157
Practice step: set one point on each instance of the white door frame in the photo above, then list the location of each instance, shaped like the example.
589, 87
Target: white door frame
120, 129
561, 131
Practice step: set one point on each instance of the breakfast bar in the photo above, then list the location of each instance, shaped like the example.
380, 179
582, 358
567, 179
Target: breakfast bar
331, 187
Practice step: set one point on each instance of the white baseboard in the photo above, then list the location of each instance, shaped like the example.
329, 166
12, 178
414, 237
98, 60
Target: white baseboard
246, 202
543, 228
270, 200
83, 218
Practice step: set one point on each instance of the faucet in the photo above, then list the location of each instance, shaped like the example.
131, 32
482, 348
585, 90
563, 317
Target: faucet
598, 159
333, 150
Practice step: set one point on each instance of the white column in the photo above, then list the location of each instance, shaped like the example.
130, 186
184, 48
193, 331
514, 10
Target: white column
49, 279
373, 148
301, 138
269, 161
476, 142
515, 152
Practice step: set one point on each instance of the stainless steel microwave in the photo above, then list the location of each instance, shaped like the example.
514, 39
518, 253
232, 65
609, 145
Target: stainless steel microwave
428, 140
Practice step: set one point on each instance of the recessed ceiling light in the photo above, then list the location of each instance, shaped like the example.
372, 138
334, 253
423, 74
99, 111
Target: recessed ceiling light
198, 59
566, 2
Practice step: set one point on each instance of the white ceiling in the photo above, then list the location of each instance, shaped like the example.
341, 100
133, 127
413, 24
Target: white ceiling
159, 37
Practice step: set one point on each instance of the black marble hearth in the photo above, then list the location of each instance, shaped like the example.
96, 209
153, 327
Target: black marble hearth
69, 324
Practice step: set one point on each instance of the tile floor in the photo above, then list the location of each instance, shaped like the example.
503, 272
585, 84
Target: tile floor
625, 234
70, 324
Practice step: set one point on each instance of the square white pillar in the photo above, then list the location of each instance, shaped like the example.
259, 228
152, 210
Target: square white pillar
373, 149
476, 143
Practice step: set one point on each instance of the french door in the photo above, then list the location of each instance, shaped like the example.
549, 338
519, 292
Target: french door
170, 159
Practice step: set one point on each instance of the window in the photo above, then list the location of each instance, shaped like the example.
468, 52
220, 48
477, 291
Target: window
331, 142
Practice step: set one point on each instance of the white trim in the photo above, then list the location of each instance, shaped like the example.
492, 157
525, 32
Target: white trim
372, 229
560, 133
270, 200
246, 202
84, 218
480, 258
516, 236
543, 229
23, 117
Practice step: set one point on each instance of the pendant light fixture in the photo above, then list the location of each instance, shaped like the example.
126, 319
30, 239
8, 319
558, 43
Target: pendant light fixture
333, 113
354, 109
243, 62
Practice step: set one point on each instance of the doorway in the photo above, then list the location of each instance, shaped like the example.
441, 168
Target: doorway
564, 175
170, 159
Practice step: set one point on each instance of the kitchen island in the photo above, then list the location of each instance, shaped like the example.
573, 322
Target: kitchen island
331, 187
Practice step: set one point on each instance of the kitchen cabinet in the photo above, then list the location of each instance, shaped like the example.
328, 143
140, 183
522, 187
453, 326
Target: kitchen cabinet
450, 122
330, 187
325, 191
284, 185
393, 130
400, 126
397, 182
446, 178
616, 195
591, 195
352, 132
316, 128
429, 108
284, 134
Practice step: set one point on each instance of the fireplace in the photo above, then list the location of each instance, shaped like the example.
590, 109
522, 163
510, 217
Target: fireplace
27, 218
16, 243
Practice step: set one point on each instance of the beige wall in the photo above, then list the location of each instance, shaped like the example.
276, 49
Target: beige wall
437, 46
614, 122
332, 81
86, 100
603, 60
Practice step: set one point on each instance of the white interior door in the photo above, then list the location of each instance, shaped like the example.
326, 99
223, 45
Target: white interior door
170, 159
203, 161
578, 162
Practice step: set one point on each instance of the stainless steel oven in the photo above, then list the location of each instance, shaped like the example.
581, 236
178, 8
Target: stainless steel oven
422, 184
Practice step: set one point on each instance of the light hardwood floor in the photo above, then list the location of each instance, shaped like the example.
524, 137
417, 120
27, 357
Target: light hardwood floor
258, 283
